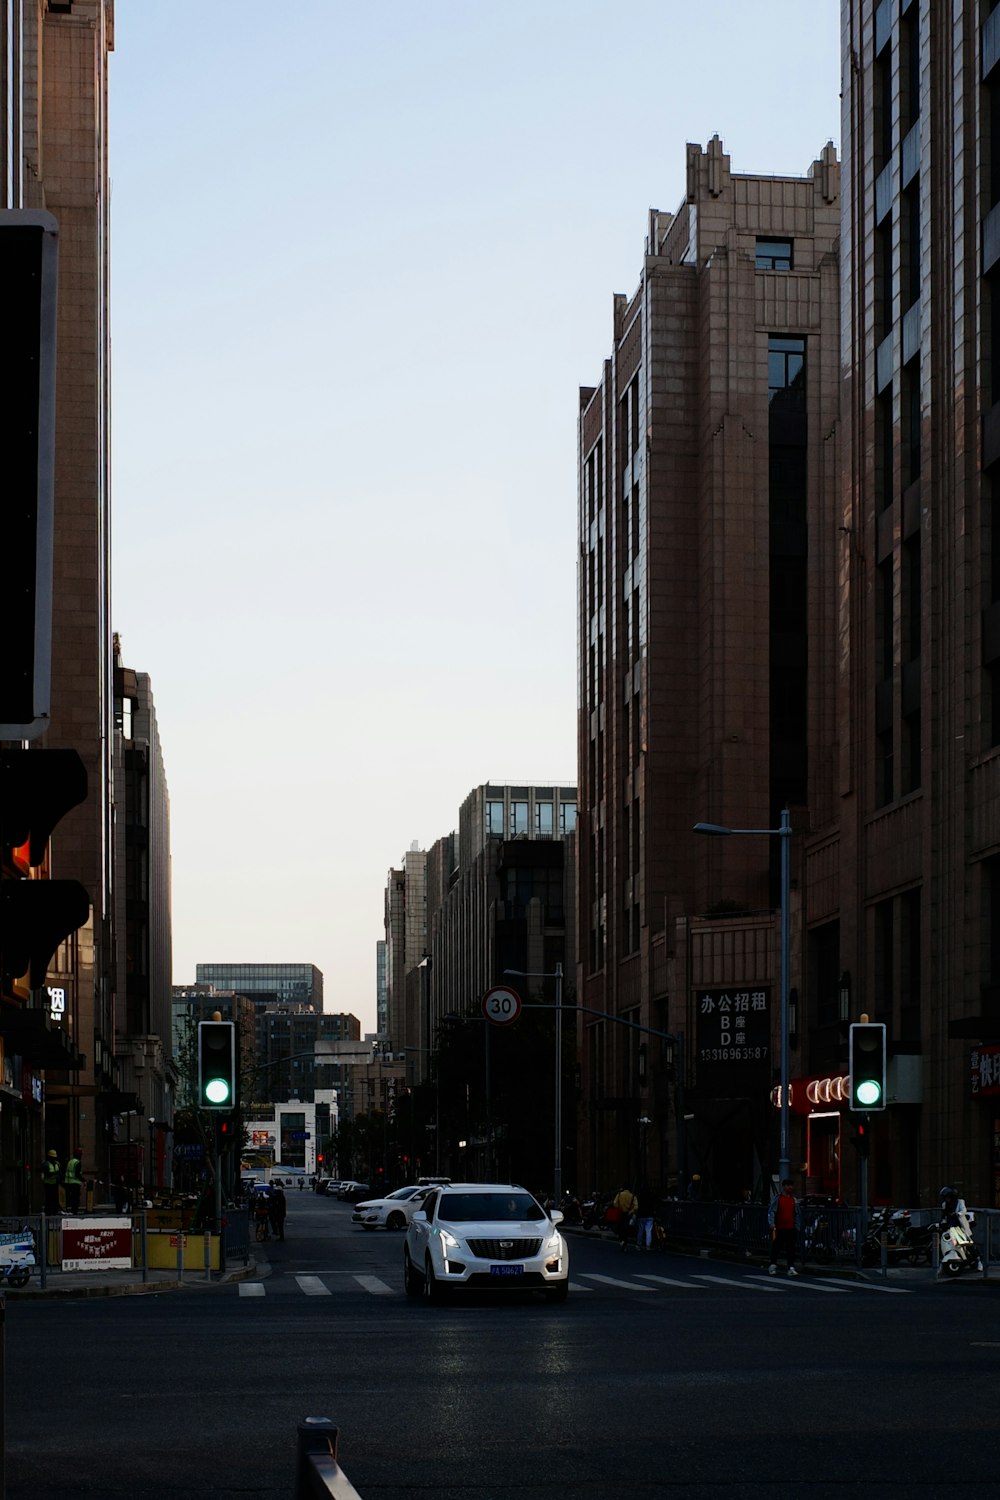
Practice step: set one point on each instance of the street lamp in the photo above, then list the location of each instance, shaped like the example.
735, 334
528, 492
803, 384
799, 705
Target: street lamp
558, 977
784, 833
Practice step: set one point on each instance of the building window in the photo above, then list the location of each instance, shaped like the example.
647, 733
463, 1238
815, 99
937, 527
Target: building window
885, 458
786, 372
567, 817
518, 818
494, 818
774, 255
912, 417
883, 768
543, 817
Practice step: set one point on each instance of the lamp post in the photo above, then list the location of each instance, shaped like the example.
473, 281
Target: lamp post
425, 965
558, 977
784, 833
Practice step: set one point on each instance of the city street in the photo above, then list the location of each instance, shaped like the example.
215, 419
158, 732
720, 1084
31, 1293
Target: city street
662, 1373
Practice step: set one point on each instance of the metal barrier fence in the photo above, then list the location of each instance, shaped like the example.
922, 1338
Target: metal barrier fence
145, 1247
827, 1235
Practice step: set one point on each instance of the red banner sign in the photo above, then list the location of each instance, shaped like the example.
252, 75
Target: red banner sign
97, 1245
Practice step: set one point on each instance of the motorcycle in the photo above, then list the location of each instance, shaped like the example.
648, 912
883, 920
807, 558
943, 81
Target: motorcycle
17, 1257
594, 1209
904, 1239
958, 1247
571, 1209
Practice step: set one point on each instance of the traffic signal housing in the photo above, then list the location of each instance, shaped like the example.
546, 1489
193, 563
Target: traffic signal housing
866, 1050
217, 1065
37, 789
862, 1140
29, 244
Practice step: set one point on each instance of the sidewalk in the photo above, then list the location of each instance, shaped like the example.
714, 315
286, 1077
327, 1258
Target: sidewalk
848, 1270
128, 1283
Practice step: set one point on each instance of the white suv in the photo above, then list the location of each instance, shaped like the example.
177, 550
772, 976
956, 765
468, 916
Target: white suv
491, 1236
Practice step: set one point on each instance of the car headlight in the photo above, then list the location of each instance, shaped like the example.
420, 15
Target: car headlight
448, 1240
554, 1245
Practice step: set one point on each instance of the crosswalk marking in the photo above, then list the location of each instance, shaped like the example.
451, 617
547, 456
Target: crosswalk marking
646, 1281
872, 1286
740, 1281
313, 1287
810, 1282
375, 1285
667, 1280
630, 1286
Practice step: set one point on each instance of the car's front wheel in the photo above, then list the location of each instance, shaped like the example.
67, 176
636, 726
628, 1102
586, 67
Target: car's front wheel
411, 1281
396, 1220
557, 1293
433, 1291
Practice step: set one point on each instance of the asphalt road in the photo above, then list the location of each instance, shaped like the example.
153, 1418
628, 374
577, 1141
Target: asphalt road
661, 1376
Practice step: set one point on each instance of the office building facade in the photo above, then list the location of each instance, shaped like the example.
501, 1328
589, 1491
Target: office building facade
708, 511
54, 112
902, 888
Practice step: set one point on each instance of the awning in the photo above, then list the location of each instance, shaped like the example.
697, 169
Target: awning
45, 1047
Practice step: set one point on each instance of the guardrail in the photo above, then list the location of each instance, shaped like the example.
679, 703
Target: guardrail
827, 1234
318, 1475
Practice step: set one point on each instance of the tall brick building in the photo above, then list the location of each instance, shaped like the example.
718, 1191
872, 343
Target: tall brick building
54, 113
708, 509
903, 889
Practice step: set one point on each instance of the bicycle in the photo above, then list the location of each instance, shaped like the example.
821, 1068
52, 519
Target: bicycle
262, 1229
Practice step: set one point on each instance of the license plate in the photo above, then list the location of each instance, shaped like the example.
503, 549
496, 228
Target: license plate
506, 1270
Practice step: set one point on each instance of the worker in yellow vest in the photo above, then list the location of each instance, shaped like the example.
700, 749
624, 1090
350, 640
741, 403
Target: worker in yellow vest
51, 1172
73, 1182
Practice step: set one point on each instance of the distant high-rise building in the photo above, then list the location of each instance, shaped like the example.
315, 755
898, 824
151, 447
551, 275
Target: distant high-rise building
381, 990
142, 898
268, 986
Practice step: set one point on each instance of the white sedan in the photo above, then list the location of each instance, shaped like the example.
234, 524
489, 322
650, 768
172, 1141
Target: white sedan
487, 1236
392, 1212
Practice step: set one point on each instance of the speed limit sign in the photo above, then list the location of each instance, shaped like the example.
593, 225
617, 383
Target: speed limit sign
501, 1005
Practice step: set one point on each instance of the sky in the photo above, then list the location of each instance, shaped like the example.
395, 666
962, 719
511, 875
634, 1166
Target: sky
363, 258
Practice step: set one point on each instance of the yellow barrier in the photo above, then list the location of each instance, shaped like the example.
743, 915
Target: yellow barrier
161, 1248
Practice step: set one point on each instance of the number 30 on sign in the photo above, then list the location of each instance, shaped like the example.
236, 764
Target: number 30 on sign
501, 1005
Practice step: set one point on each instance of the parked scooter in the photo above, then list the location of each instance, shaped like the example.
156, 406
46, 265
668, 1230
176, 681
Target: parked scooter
958, 1247
904, 1239
17, 1256
594, 1209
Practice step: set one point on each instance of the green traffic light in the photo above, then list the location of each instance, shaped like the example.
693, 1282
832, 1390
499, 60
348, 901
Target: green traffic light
217, 1091
868, 1092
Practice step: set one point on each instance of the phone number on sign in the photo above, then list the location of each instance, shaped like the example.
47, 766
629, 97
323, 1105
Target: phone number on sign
733, 1054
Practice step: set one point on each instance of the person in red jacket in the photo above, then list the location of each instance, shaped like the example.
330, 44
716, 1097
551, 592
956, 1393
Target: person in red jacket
784, 1217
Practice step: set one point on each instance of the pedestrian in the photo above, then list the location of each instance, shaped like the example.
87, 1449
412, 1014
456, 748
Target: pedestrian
277, 1210
51, 1173
73, 1182
644, 1217
626, 1203
785, 1217
120, 1194
302, 1183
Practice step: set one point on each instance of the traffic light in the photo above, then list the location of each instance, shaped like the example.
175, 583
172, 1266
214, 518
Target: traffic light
29, 247
862, 1140
37, 789
866, 1049
217, 1065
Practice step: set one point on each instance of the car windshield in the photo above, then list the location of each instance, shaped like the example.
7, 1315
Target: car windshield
406, 1192
502, 1208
